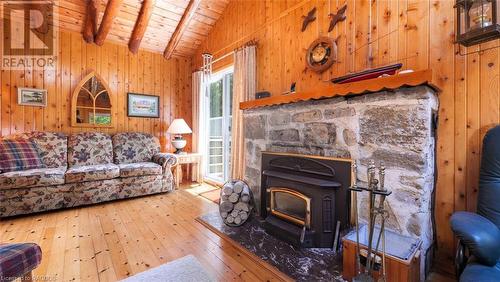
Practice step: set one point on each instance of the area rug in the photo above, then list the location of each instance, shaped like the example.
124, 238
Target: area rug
300, 264
213, 195
185, 269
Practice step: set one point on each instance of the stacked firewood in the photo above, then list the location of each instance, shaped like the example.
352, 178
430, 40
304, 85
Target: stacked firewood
235, 202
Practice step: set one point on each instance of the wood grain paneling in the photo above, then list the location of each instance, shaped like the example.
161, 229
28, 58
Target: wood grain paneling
124, 72
417, 33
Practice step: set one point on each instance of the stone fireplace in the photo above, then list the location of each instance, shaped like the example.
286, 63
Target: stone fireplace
396, 127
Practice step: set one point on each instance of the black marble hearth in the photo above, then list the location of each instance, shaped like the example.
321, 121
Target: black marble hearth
302, 264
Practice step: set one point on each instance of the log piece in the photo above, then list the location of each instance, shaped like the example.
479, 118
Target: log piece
241, 206
237, 220
226, 207
227, 190
230, 219
233, 198
245, 198
238, 187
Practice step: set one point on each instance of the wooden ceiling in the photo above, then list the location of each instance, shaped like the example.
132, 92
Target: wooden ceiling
190, 20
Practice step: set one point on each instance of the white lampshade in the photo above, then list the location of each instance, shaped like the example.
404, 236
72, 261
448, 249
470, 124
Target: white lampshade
179, 126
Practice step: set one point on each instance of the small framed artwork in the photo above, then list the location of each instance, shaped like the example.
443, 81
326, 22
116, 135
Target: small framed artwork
32, 97
141, 105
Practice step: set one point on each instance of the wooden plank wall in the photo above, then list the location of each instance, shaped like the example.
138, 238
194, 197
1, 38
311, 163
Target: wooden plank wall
145, 72
417, 33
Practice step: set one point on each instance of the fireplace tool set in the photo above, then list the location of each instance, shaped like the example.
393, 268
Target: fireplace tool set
376, 198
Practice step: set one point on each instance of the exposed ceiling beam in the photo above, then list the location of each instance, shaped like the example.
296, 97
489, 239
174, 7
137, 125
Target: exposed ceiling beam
181, 27
107, 20
140, 25
90, 24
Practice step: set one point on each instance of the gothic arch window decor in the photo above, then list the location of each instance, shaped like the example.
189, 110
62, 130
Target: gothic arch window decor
91, 103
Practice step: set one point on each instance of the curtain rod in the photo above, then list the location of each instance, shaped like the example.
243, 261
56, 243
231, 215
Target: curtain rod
248, 43
222, 57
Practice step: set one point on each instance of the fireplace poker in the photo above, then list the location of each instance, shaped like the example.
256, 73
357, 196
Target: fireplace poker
385, 215
354, 190
380, 210
372, 187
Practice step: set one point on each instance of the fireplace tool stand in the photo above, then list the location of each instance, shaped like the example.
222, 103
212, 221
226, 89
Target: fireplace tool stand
376, 191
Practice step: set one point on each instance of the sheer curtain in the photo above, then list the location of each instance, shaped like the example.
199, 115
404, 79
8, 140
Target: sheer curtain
244, 84
199, 122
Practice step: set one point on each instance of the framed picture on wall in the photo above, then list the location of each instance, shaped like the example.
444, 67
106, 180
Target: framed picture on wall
32, 97
141, 105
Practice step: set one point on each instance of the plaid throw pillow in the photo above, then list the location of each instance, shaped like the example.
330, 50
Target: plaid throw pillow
19, 155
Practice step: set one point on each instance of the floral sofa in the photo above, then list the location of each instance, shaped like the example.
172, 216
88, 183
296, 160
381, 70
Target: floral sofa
86, 168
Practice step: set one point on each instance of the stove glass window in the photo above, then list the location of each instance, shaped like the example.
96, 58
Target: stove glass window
290, 205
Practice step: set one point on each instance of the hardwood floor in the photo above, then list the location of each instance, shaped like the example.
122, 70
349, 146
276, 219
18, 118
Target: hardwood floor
111, 241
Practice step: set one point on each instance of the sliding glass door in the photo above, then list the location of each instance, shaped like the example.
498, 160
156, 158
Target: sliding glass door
219, 107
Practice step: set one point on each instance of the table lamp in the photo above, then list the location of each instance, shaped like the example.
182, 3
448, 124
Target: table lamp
178, 127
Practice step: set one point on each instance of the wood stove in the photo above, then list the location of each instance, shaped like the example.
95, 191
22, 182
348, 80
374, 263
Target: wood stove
304, 197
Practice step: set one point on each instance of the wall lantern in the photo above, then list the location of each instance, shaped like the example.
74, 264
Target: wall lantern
477, 21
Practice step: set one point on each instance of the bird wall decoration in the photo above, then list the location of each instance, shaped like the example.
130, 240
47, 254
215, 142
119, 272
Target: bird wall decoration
308, 19
338, 17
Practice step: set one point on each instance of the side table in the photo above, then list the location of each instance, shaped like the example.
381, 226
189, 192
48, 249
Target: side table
193, 163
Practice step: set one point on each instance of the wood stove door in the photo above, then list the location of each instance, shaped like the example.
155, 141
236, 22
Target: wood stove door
290, 205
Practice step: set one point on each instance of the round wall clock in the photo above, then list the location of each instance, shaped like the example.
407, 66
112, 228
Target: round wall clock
321, 54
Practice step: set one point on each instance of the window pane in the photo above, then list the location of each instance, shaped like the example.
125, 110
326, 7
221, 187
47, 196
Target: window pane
216, 99
215, 127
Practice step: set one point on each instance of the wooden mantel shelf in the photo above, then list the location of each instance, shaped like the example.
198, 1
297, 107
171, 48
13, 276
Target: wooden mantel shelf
329, 90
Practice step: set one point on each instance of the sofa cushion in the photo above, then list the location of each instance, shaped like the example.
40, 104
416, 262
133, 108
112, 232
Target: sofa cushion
52, 146
134, 147
92, 172
89, 148
18, 259
19, 154
32, 178
139, 169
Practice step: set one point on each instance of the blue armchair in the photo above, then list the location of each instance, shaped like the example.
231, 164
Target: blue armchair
478, 253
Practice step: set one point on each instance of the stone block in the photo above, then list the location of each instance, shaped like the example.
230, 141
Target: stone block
286, 135
405, 126
371, 97
350, 138
255, 127
319, 133
397, 159
411, 181
413, 226
308, 116
338, 153
408, 196
339, 112
295, 149
279, 118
